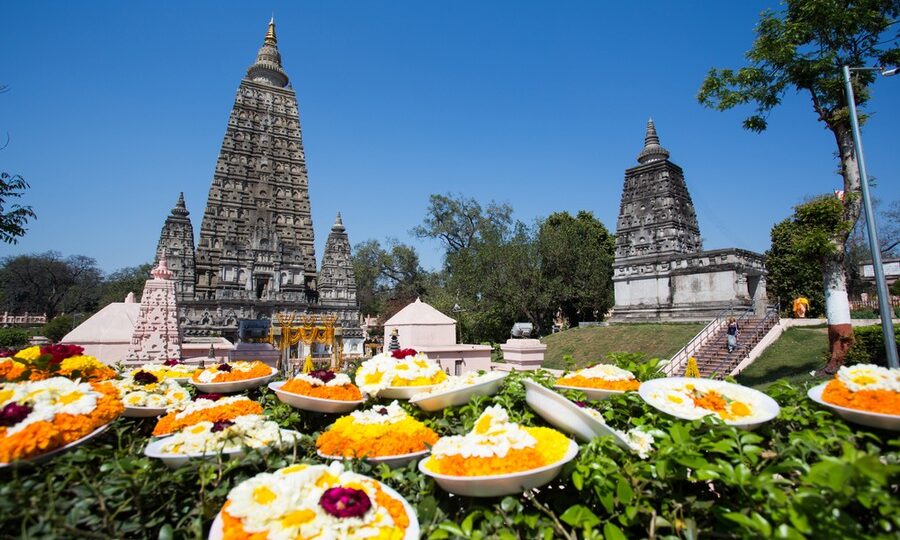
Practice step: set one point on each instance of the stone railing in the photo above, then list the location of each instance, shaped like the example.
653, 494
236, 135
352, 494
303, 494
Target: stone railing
22, 320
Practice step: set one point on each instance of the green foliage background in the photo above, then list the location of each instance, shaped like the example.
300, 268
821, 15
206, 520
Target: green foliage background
805, 474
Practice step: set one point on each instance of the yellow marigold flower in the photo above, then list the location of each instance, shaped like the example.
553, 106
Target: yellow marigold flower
30, 354
80, 363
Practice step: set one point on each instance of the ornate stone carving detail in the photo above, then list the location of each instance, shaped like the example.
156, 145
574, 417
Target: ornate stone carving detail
176, 244
156, 336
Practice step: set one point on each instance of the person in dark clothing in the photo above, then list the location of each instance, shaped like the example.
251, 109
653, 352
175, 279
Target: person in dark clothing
731, 334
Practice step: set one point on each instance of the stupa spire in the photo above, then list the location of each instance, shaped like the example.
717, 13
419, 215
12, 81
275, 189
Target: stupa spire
180, 208
338, 224
267, 69
652, 150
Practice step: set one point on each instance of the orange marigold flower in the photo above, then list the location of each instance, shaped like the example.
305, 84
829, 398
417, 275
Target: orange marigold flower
257, 369
10, 370
347, 392
579, 381
351, 439
877, 401
171, 423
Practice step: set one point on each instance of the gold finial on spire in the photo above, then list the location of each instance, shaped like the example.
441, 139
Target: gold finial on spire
271, 39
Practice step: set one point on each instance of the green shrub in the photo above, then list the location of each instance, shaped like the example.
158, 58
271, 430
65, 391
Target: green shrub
868, 346
57, 329
13, 338
864, 314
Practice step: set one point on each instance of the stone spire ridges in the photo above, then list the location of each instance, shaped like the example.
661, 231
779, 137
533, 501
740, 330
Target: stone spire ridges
267, 69
338, 224
652, 150
180, 208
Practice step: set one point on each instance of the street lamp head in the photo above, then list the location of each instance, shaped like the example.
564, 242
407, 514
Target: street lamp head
890, 72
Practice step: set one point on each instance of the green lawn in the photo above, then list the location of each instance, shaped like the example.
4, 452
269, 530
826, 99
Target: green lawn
798, 351
588, 345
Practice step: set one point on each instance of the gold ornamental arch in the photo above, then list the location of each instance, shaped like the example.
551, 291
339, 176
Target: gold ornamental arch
308, 329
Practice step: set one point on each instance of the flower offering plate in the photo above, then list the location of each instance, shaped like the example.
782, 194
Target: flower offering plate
856, 416
174, 461
501, 484
663, 394
403, 392
144, 412
47, 455
567, 416
393, 462
592, 393
231, 387
455, 397
314, 404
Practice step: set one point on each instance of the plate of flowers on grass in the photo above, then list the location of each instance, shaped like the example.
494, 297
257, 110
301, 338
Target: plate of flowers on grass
39, 419
459, 390
144, 395
314, 501
205, 408
206, 440
599, 381
382, 434
398, 374
498, 457
864, 394
321, 391
691, 398
232, 377
170, 369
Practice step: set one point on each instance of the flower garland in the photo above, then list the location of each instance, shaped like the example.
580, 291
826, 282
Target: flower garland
319, 501
865, 387
144, 389
39, 363
232, 371
497, 446
380, 431
39, 416
405, 367
323, 384
601, 376
226, 435
203, 409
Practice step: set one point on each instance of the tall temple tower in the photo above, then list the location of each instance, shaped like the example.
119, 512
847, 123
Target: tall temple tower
176, 243
255, 256
661, 271
337, 282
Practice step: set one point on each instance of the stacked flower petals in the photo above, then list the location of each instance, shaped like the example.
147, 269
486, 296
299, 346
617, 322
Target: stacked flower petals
377, 432
319, 501
144, 389
703, 397
226, 435
206, 410
385, 370
324, 385
39, 416
163, 371
865, 387
454, 383
232, 371
602, 376
497, 446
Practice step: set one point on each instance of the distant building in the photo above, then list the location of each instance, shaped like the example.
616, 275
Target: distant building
891, 270
660, 270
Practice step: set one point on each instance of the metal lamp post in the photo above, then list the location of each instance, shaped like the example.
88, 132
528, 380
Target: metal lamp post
884, 305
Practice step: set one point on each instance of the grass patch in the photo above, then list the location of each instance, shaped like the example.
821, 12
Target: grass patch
588, 345
798, 351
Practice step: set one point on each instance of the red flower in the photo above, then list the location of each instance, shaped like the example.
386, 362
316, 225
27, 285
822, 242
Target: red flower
6, 353
60, 352
223, 367
145, 377
345, 502
221, 425
211, 397
172, 362
13, 413
400, 354
323, 375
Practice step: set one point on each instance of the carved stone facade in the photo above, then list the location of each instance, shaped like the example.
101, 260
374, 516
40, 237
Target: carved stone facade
156, 337
660, 270
255, 255
176, 244
337, 282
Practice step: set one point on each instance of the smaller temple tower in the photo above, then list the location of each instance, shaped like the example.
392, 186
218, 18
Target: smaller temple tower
176, 245
337, 282
156, 336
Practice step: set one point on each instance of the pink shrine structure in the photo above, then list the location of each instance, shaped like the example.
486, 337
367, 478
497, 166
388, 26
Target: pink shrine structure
156, 336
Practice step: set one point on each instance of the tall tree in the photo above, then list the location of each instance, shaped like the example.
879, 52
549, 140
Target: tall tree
118, 284
50, 284
387, 276
13, 217
803, 48
458, 222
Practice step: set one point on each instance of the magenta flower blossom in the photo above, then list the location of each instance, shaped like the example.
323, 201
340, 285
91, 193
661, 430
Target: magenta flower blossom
211, 397
221, 425
223, 367
344, 502
323, 375
172, 362
13, 413
145, 377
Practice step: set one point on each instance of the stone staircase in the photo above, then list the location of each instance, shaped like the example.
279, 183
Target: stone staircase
709, 345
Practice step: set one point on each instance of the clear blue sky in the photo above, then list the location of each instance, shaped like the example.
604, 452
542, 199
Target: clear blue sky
115, 107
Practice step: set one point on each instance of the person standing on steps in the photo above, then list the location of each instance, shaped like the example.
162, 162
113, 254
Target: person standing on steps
731, 334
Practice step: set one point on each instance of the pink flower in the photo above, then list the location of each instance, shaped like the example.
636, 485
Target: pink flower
61, 352
345, 502
172, 362
211, 397
223, 367
323, 375
13, 413
400, 354
221, 425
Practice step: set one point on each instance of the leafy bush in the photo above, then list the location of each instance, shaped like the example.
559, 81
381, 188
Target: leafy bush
864, 314
805, 474
57, 329
868, 346
13, 338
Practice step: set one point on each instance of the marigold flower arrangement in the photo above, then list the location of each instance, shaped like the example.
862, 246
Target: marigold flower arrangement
144, 389
377, 432
39, 416
38, 363
703, 397
865, 387
232, 371
602, 376
226, 435
404, 367
323, 384
206, 410
312, 501
170, 369
497, 446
